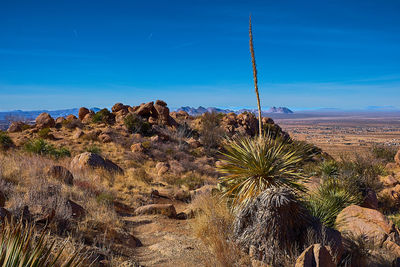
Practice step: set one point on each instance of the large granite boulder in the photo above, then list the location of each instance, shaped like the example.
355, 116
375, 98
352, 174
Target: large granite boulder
44, 120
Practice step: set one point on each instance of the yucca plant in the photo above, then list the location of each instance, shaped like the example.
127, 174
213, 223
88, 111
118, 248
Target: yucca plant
253, 164
20, 246
329, 199
272, 224
329, 169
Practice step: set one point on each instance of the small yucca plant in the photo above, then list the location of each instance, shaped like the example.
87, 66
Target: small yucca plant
254, 164
21, 247
330, 198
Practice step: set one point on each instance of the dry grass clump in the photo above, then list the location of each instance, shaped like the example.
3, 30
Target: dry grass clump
33, 195
213, 225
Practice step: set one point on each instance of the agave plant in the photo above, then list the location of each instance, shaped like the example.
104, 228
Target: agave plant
330, 198
21, 247
251, 165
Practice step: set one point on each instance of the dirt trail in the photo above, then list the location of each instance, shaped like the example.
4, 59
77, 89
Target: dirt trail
165, 242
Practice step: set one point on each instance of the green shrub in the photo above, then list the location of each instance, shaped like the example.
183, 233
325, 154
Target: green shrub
105, 198
93, 149
361, 174
21, 246
328, 169
104, 116
5, 141
254, 164
395, 218
44, 133
136, 124
211, 134
384, 152
41, 147
329, 199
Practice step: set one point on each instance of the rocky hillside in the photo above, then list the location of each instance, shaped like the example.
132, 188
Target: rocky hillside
143, 186
120, 182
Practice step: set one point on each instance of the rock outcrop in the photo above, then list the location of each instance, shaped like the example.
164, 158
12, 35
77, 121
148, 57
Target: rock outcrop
83, 112
247, 124
370, 223
44, 120
16, 126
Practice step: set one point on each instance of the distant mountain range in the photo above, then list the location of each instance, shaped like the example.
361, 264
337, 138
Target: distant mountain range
200, 110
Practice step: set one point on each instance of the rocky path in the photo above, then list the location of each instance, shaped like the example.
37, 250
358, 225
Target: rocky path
165, 241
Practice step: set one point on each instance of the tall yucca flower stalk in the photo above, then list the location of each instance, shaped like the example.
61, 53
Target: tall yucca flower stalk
253, 60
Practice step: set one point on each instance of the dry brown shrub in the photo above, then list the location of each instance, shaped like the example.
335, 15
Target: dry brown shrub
213, 225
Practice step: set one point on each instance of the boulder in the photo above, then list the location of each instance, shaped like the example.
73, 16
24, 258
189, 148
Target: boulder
392, 193
72, 122
137, 148
372, 224
162, 111
78, 212
163, 209
370, 200
62, 174
266, 120
120, 115
88, 118
172, 193
117, 107
204, 190
71, 117
16, 126
161, 103
60, 121
78, 134
44, 120
146, 110
105, 138
180, 115
194, 143
91, 160
315, 256
162, 168
155, 139
83, 112
389, 181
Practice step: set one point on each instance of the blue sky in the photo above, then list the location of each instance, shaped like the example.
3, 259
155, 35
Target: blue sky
63, 54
